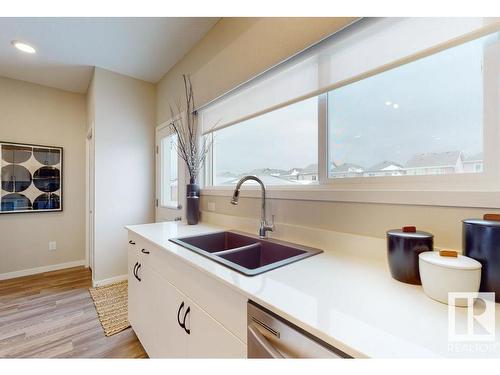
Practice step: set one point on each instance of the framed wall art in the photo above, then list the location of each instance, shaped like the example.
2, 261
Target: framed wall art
31, 177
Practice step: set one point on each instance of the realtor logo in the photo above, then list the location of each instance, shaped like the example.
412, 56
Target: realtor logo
476, 321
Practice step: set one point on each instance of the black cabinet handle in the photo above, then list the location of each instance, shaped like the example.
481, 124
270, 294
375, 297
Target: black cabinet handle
136, 272
188, 331
183, 323
145, 251
131, 242
135, 269
178, 315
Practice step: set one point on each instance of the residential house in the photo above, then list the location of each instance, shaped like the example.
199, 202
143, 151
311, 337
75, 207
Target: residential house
309, 173
346, 170
267, 179
473, 163
433, 163
385, 168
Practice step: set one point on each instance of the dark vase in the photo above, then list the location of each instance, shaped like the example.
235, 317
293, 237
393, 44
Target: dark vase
192, 204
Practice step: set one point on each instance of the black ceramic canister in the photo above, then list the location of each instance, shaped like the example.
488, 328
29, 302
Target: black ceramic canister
403, 247
481, 241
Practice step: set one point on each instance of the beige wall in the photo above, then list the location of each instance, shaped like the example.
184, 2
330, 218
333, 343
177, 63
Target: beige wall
124, 120
36, 114
357, 218
238, 49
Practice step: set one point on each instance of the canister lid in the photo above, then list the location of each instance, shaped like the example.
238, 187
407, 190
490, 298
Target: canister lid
409, 232
460, 262
481, 222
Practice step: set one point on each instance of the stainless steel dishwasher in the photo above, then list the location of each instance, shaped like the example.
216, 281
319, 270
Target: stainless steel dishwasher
270, 336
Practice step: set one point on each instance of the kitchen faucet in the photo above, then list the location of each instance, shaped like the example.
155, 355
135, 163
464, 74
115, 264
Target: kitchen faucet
264, 226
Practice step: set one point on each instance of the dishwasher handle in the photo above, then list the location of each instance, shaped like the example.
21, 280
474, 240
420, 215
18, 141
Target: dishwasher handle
262, 346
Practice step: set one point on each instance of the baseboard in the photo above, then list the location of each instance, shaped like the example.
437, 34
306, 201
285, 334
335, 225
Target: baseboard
34, 271
111, 280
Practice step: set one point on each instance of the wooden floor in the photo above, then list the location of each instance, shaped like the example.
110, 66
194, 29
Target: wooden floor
51, 315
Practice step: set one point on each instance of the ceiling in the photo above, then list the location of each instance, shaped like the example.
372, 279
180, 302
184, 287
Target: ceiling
68, 48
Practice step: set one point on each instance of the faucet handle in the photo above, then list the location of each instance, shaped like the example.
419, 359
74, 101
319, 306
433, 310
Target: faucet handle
270, 227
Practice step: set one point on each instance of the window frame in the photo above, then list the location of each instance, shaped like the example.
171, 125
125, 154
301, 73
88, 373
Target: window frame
208, 175
458, 190
489, 179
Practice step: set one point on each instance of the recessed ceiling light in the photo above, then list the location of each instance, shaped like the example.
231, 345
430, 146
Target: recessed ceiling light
388, 102
395, 106
21, 46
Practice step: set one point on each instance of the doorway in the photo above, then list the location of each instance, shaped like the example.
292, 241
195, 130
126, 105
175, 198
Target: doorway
170, 181
90, 188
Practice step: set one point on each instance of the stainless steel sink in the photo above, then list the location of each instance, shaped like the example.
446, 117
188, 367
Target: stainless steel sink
245, 253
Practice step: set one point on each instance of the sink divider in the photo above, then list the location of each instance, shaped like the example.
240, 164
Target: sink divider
236, 249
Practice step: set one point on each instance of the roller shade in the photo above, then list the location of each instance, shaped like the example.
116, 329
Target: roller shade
363, 47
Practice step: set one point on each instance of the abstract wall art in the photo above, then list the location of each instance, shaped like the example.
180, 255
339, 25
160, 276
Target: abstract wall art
31, 177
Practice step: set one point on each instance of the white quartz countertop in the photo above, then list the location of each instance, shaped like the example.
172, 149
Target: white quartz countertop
345, 299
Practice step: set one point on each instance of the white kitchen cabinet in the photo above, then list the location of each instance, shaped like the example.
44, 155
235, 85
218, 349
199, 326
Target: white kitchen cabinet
169, 339
209, 339
140, 297
134, 291
219, 301
168, 323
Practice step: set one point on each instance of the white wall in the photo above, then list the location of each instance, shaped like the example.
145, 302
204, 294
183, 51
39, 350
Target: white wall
123, 111
36, 114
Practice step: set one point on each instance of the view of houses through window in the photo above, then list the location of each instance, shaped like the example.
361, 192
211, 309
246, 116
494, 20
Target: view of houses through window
280, 147
432, 163
421, 118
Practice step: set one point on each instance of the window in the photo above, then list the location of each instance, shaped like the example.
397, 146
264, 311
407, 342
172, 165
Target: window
280, 147
169, 172
422, 118
365, 111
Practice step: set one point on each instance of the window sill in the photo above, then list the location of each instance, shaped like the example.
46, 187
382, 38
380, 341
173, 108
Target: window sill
448, 198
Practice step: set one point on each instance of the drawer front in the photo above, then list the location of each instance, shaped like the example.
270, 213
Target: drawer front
139, 248
220, 301
133, 240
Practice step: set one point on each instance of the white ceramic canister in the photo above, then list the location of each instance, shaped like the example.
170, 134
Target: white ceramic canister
448, 272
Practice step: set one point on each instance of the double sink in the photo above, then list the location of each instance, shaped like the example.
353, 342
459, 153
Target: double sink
249, 255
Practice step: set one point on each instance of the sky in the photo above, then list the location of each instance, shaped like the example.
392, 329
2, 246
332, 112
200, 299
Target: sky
282, 139
430, 105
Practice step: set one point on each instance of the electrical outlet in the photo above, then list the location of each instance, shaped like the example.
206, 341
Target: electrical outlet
211, 206
52, 245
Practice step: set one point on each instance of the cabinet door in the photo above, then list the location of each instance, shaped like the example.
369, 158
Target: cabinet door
140, 299
169, 306
134, 293
146, 308
209, 339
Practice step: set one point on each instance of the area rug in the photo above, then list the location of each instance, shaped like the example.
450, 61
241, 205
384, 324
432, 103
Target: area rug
111, 303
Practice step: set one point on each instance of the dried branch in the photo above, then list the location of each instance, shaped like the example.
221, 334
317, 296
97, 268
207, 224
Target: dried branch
188, 149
